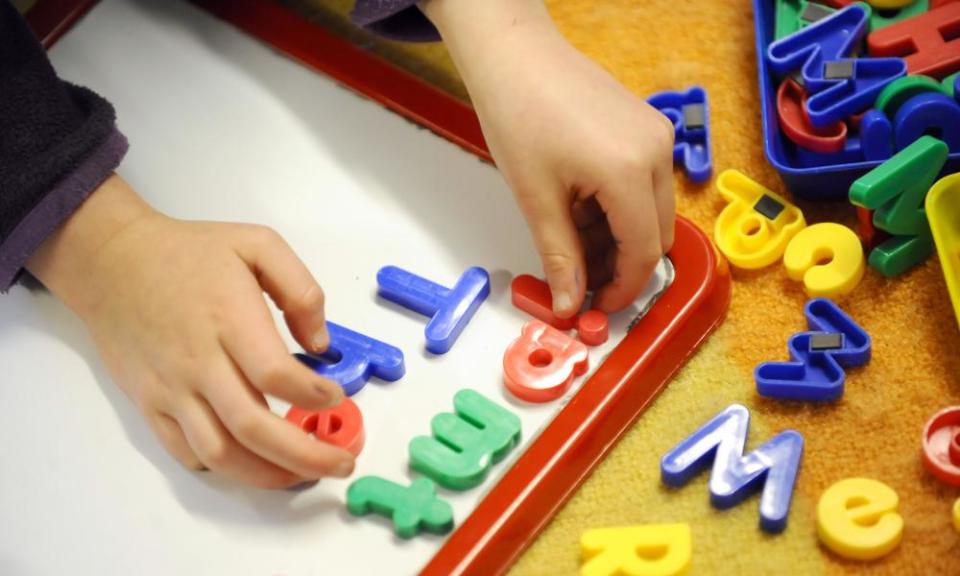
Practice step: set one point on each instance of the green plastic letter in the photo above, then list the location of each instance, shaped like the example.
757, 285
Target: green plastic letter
412, 508
465, 445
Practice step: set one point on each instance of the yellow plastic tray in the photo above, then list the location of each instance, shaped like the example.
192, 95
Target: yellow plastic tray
943, 211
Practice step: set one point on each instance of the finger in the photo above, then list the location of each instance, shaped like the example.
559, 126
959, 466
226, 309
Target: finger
171, 437
633, 221
289, 283
558, 243
252, 341
587, 212
220, 452
600, 269
663, 182
596, 239
273, 438
666, 202
597, 243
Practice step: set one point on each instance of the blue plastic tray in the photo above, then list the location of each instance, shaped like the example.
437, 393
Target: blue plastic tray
828, 181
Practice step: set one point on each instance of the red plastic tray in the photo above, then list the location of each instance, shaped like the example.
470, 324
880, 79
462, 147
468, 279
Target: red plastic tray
554, 465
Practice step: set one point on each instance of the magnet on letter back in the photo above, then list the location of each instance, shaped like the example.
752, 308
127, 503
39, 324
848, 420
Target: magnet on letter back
540, 365
690, 115
792, 15
795, 123
839, 84
754, 228
815, 373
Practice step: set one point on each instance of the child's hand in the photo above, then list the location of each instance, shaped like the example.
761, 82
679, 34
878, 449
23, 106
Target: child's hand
591, 164
177, 311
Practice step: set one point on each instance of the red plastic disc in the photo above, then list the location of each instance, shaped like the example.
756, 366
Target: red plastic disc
941, 445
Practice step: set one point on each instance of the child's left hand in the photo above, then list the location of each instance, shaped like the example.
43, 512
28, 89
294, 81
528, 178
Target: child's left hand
591, 164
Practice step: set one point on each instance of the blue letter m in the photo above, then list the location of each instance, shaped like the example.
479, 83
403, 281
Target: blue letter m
773, 465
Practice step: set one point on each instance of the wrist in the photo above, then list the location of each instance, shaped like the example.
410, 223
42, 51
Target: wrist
64, 262
501, 14
483, 36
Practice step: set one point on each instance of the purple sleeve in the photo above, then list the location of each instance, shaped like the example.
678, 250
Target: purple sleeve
397, 19
58, 143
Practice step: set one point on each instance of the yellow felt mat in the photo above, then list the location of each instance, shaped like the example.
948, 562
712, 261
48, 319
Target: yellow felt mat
873, 431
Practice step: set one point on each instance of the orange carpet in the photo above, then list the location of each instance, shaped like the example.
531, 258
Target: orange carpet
873, 431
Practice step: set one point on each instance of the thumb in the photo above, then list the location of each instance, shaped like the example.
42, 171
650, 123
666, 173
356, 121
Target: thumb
557, 241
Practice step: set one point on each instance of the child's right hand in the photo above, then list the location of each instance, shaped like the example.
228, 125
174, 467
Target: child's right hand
590, 163
177, 312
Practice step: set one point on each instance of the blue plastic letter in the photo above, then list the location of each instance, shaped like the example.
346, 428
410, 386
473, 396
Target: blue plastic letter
773, 465
874, 142
353, 358
839, 86
690, 115
931, 113
819, 356
876, 136
450, 309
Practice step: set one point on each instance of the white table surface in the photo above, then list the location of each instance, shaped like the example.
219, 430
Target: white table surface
223, 128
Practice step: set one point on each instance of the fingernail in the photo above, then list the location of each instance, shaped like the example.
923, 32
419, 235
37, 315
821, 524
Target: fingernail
321, 340
301, 486
330, 397
343, 469
322, 392
562, 302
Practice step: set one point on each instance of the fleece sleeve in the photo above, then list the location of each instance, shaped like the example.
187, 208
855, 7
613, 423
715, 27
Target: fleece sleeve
58, 143
397, 19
